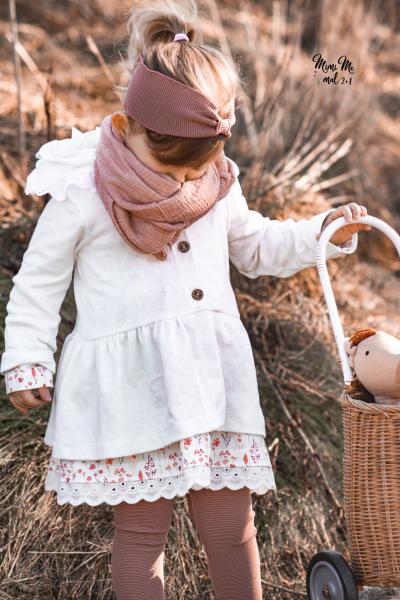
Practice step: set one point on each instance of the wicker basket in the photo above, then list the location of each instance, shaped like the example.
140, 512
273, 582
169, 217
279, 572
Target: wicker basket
371, 490
371, 461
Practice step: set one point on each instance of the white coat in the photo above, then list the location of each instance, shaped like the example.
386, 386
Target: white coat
169, 331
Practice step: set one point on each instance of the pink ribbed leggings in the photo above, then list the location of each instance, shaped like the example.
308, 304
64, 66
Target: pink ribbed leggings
224, 520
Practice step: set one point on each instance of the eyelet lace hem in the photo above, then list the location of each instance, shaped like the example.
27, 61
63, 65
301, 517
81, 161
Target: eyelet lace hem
258, 479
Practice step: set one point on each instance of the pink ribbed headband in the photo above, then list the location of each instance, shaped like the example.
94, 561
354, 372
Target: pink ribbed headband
167, 106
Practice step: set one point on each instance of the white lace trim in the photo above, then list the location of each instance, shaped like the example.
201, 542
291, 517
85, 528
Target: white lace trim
259, 479
41, 182
64, 163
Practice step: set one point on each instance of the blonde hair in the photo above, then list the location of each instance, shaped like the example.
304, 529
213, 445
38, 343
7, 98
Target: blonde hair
152, 25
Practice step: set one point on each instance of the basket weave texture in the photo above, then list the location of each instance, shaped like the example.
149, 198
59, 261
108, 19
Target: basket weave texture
371, 490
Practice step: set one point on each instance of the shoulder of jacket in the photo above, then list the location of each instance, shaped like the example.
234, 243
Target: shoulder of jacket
236, 169
65, 164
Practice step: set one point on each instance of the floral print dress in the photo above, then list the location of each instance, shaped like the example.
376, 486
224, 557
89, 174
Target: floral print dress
211, 460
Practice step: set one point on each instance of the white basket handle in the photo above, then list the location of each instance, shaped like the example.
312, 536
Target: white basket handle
326, 284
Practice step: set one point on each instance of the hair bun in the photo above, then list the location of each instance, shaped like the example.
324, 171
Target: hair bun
158, 21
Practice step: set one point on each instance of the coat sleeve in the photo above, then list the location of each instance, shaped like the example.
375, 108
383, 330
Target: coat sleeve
39, 287
259, 245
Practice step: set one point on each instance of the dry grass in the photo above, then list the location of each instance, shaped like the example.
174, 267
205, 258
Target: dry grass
302, 148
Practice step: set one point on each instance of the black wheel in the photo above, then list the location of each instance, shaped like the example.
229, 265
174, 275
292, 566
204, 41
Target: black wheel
329, 577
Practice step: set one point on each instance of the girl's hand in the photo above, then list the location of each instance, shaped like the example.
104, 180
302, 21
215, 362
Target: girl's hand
348, 211
26, 399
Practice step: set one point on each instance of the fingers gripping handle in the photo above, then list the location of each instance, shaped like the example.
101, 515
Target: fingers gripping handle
326, 284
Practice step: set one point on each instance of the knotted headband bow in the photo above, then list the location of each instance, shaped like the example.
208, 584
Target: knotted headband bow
165, 105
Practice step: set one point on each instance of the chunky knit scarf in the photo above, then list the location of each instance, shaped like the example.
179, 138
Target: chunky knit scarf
148, 208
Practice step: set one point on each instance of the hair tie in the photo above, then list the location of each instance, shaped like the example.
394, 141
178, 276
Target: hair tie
180, 36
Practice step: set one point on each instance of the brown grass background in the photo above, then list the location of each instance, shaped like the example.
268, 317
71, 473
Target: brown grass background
301, 148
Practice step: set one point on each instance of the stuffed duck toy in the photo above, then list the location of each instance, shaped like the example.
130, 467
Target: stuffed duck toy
375, 358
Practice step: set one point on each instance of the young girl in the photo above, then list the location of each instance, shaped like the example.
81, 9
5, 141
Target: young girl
156, 393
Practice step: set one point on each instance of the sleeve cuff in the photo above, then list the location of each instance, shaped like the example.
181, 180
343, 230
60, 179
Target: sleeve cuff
27, 377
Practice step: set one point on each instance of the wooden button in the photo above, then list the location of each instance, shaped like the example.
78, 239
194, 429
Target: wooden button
183, 246
197, 294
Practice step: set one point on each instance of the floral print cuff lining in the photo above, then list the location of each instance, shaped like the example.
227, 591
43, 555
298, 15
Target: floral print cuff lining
27, 377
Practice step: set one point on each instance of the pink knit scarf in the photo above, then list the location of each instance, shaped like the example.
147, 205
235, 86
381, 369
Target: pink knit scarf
149, 209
